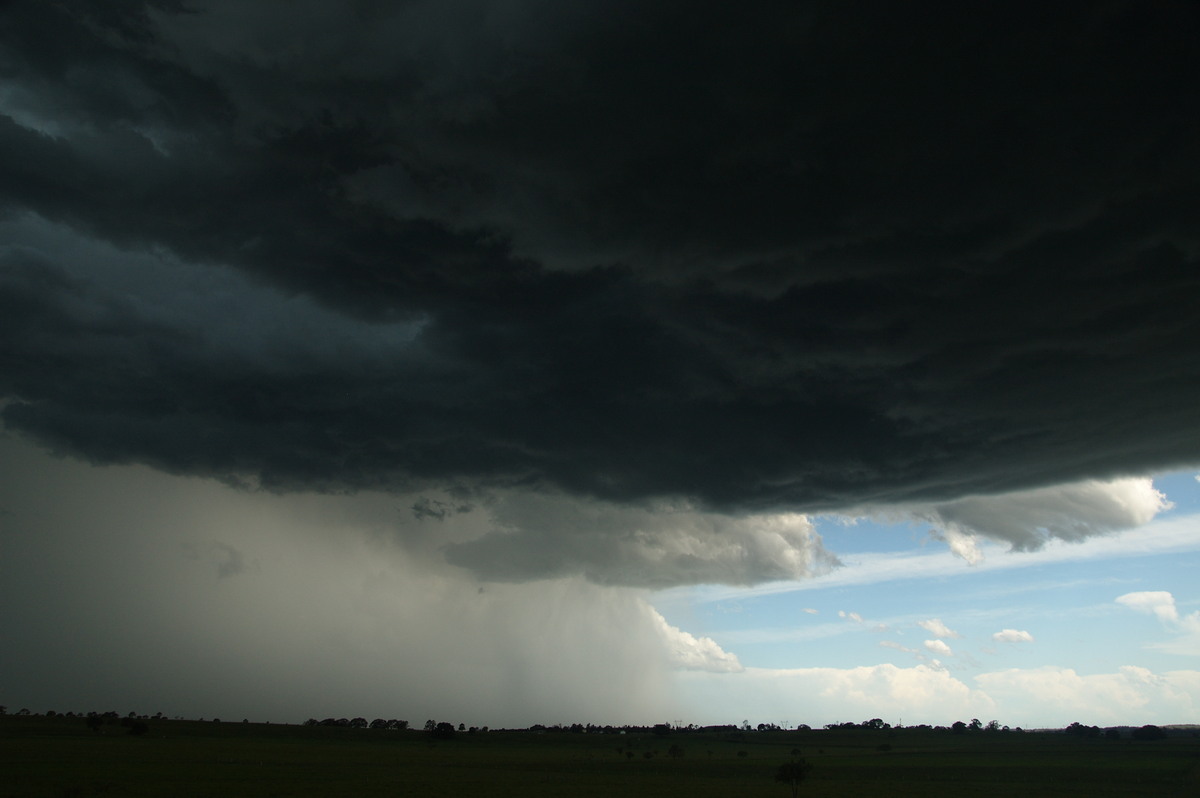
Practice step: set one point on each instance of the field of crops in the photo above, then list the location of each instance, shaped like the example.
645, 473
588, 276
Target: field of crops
61, 756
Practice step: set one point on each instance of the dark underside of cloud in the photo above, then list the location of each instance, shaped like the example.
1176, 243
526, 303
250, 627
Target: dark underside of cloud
777, 255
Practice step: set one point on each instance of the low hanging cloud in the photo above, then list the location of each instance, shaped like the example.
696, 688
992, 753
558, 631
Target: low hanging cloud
1012, 636
1028, 520
544, 536
426, 507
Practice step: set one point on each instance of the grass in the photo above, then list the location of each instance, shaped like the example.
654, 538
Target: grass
59, 757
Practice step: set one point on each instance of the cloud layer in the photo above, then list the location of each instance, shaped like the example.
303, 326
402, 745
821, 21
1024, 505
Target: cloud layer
801, 259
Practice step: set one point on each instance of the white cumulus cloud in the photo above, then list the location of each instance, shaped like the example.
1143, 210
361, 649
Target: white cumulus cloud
688, 652
923, 693
1012, 636
1161, 604
936, 628
1132, 695
939, 647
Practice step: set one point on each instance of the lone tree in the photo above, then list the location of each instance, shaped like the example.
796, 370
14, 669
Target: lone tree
793, 773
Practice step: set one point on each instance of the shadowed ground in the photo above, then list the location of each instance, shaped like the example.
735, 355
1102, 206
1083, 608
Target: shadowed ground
61, 756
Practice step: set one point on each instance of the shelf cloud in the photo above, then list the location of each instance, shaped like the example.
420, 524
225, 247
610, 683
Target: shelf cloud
758, 266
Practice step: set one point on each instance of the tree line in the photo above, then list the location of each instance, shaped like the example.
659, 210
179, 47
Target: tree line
138, 724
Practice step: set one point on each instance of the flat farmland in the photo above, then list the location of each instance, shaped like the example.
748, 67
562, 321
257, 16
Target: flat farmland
60, 756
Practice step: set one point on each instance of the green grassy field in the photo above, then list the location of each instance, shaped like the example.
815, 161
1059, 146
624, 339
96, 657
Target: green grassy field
60, 756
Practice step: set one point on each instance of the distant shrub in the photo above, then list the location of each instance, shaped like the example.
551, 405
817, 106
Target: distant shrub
1149, 732
792, 774
1080, 730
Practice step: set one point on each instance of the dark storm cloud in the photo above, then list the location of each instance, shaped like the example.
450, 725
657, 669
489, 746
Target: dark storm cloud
790, 255
428, 508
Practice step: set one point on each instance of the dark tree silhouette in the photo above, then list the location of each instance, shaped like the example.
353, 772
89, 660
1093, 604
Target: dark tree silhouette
792, 773
1079, 730
1148, 732
442, 731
